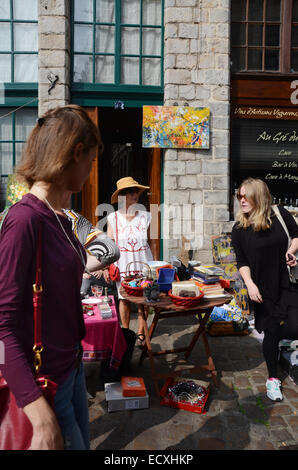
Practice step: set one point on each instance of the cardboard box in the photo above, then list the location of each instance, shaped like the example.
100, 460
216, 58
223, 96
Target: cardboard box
117, 402
189, 286
133, 387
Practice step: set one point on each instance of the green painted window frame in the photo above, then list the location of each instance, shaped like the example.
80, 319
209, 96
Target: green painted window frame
90, 94
12, 52
13, 141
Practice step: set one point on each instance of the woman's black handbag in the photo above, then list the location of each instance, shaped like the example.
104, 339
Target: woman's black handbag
293, 272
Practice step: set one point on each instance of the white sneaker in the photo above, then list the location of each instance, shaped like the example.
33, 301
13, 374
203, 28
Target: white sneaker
288, 345
273, 389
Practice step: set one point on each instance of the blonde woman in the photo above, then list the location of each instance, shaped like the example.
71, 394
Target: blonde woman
262, 253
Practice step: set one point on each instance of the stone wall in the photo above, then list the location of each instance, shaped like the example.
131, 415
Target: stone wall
197, 73
54, 53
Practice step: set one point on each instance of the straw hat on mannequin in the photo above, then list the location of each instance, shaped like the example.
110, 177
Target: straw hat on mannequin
126, 183
130, 229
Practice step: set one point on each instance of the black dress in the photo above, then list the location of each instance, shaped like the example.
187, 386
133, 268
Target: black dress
264, 253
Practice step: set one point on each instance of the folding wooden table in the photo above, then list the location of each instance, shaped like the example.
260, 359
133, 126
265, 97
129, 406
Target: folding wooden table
166, 309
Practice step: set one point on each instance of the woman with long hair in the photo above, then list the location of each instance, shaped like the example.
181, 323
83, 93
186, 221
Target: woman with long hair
263, 257
57, 158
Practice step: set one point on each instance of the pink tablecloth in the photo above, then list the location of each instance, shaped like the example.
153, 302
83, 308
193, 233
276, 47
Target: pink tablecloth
104, 339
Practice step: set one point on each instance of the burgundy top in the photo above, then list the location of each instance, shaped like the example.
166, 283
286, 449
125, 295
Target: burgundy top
62, 318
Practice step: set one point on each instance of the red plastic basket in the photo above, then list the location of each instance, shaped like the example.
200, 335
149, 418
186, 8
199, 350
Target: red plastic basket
130, 290
185, 301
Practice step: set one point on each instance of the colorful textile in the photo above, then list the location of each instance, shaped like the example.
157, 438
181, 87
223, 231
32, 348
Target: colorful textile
81, 227
104, 339
97, 243
227, 312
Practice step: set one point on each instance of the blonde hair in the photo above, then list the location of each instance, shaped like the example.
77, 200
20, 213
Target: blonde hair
51, 143
258, 194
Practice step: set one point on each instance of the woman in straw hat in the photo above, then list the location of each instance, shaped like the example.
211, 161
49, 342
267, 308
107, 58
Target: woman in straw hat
129, 227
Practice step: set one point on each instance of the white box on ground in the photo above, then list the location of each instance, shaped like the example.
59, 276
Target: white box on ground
117, 402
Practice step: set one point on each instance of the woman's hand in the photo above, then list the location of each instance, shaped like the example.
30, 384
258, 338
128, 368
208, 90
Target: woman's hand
253, 292
106, 275
291, 259
46, 431
97, 274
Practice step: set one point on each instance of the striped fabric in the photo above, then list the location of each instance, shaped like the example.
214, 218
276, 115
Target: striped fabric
95, 241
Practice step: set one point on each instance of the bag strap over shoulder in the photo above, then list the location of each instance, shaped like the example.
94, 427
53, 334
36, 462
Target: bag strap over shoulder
280, 218
37, 305
116, 222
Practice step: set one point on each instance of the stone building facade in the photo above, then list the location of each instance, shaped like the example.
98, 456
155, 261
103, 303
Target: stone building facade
196, 72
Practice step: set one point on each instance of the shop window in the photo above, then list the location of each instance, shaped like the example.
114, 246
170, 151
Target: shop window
118, 42
264, 36
14, 129
18, 41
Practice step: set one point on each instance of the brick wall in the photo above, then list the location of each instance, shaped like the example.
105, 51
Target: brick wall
197, 72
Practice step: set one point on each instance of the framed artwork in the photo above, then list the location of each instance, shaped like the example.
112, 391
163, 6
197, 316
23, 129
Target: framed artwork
176, 127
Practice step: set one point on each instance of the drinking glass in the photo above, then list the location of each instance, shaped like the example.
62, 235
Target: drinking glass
96, 290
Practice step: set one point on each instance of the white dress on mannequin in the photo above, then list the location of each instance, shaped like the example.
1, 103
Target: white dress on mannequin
132, 242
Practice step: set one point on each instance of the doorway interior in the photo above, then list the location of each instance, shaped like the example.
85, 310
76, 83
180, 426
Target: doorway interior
123, 155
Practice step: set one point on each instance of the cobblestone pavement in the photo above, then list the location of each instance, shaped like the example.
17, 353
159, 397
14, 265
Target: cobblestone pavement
238, 415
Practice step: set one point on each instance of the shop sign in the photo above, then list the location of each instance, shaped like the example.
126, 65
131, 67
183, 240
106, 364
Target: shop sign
266, 149
256, 112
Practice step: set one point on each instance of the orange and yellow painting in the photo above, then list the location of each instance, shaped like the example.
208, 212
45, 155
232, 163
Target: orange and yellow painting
176, 127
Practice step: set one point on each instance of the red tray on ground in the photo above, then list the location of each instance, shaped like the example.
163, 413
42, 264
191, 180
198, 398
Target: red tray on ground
193, 407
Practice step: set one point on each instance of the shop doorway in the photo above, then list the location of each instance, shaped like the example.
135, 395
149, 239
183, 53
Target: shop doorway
123, 155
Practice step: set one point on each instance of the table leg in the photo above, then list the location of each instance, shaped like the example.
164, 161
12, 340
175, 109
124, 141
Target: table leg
197, 333
151, 331
201, 331
149, 352
211, 365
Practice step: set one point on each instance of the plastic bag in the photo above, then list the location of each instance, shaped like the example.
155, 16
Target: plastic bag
227, 312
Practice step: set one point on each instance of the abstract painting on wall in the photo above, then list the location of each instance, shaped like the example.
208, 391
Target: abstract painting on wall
176, 127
